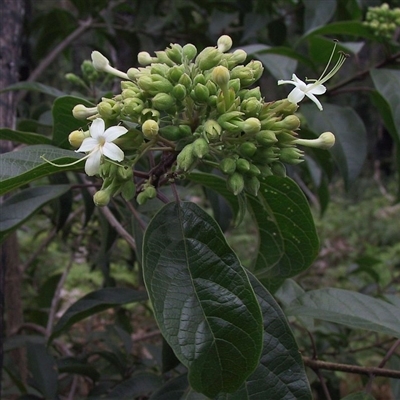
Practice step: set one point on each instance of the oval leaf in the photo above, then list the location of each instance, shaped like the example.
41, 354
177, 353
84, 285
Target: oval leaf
288, 242
19, 207
17, 168
352, 309
23, 137
95, 302
202, 298
280, 374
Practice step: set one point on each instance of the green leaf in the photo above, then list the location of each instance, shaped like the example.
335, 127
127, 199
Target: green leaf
64, 121
43, 368
139, 385
352, 28
288, 242
218, 184
350, 149
23, 137
317, 13
280, 374
16, 209
202, 298
35, 87
348, 308
96, 302
359, 396
17, 168
73, 365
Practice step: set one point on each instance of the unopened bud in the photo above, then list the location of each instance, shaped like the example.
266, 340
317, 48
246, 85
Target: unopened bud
185, 158
251, 125
224, 43
189, 51
144, 58
220, 75
247, 149
200, 147
252, 185
101, 198
163, 101
82, 112
228, 166
266, 137
212, 129
175, 53
208, 58
235, 183
291, 155
150, 129
76, 138
325, 141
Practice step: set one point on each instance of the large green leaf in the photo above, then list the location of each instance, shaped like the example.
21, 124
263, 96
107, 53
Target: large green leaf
95, 302
23, 137
43, 368
35, 87
280, 374
17, 168
288, 242
350, 149
64, 121
348, 308
202, 298
16, 209
317, 13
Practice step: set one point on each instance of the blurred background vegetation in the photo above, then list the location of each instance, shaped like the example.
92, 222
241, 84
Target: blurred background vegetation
356, 208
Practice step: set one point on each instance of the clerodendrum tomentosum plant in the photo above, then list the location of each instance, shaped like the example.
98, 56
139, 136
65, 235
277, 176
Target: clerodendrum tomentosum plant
188, 117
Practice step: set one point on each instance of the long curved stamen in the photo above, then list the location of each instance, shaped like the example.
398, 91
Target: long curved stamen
65, 165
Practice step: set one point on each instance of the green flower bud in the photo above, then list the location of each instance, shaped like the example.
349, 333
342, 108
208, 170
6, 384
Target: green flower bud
234, 84
199, 78
200, 93
286, 138
189, 52
179, 92
76, 138
129, 85
242, 165
250, 93
163, 58
267, 155
257, 68
105, 110
149, 113
150, 129
128, 190
208, 58
247, 149
141, 198
228, 166
237, 57
82, 112
291, 155
251, 125
132, 106
254, 170
252, 185
154, 84
244, 74
163, 101
220, 75
224, 43
212, 101
128, 93
200, 147
89, 72
265, 170
174, 73
235, 183
174, 133
185, 158
144, 58
159, 69
212, 87
251, 107
102, 198
212, 129
231, 121
278, 169
175, 53
290, 123
75, 79
185, 80
266, 137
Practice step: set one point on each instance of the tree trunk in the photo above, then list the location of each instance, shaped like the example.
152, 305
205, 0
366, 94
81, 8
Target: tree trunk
11, 25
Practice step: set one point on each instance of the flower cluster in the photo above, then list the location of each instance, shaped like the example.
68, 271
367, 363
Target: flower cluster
383, 20
191, 108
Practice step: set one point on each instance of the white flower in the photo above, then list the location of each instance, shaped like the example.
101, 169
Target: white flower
99, 144
101, 63
303, 89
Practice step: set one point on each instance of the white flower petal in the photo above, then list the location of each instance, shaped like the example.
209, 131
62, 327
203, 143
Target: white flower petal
315, 100
112, 151
92, 164
88, 144
296, 79
296, 95
97, 128
282, 82
319, 89
114, 132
